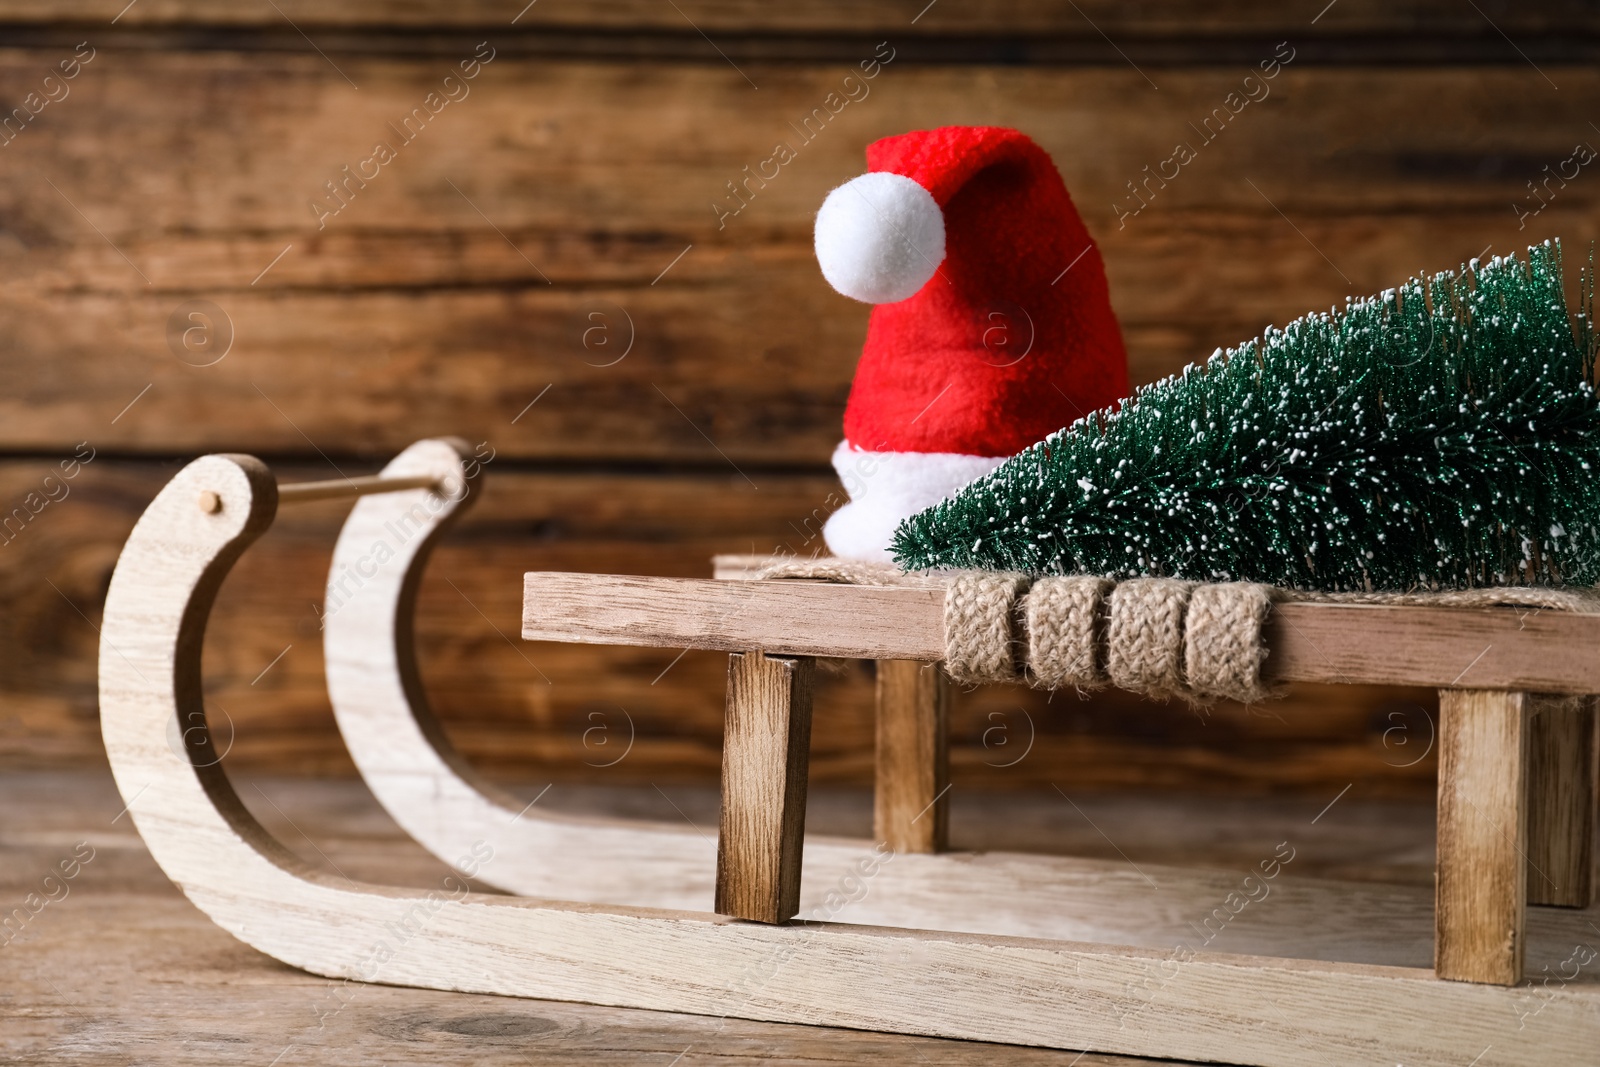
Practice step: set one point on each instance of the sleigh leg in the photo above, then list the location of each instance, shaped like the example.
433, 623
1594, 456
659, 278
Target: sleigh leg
1563, 744
1480, 893
912, 778
765, 758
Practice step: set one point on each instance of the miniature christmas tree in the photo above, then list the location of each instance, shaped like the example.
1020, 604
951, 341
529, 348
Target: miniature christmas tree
1442, 435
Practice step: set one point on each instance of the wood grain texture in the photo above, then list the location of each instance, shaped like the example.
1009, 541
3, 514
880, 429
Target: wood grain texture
761, 841
1563, 746
120, 981
444, 325
1481, 900
911, 766
801, 618
195, 141
1307, 641
126, 969
1250, 17
409, 314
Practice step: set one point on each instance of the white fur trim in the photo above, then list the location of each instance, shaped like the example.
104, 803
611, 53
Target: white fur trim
879, 237
888, 487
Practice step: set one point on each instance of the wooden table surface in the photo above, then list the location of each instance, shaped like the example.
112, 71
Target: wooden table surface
120, 968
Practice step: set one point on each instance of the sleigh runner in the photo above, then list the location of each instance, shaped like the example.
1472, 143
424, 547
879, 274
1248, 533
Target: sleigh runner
895, 933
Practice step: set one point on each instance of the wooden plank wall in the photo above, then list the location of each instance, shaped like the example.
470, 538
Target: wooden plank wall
558, 236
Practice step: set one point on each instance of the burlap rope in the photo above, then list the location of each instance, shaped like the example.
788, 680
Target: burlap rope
848, 572
979, 638
1222, 648
1144, 639
1159, 637
1062, 617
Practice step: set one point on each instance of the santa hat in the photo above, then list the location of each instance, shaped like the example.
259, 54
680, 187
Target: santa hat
993, 326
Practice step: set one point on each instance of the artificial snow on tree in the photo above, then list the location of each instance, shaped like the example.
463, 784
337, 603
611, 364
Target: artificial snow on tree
1445, 434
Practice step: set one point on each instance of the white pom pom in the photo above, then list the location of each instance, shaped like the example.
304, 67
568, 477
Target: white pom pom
880, 237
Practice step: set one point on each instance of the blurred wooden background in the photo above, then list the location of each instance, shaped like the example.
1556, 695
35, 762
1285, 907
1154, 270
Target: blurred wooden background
561, 214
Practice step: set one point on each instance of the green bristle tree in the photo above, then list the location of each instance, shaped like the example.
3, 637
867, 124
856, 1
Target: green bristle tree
1445, 434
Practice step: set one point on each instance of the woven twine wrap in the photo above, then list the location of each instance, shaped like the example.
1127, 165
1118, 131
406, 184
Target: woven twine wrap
1222, 646
1160, 637
979, 638
1145, 636
1063, 620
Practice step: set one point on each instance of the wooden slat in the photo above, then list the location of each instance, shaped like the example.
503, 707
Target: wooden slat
797, 618
1563, 745
1019, 17
421, 318
1481, 898
911, 776
1316, 642
764, 776
1488, 647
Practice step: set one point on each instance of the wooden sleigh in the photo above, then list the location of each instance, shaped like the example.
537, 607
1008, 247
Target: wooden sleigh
896, 934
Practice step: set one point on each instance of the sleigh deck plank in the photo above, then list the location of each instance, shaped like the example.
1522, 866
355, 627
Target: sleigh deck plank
1481, 648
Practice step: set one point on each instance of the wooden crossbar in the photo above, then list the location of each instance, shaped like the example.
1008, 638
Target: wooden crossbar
342, 488
1476, 648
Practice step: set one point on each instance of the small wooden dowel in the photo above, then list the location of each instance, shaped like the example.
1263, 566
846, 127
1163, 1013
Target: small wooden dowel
336, 488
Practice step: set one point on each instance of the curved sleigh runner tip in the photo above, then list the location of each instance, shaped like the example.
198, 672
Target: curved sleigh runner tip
1088, 988
448, 808
403, 755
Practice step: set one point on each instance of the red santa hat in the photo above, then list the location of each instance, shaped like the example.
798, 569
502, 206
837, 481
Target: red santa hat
993, 326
